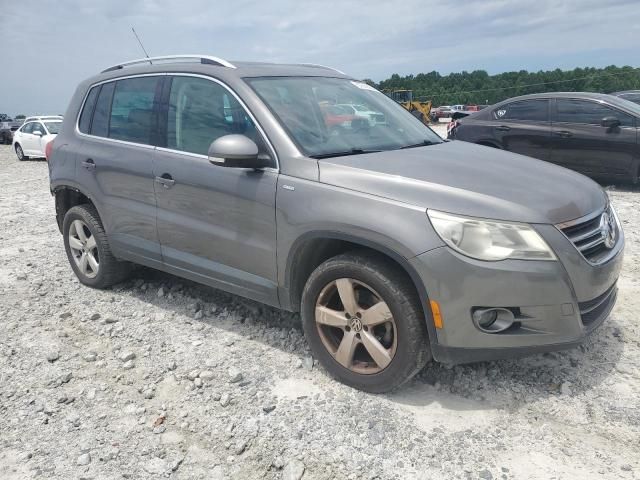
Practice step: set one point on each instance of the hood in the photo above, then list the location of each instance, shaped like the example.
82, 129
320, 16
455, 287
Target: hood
467, 179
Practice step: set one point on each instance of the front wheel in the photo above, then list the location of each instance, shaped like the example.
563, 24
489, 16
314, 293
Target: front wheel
20, 153
363, 321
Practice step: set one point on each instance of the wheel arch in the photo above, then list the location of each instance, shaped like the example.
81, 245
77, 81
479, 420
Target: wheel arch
313, 248
67, 197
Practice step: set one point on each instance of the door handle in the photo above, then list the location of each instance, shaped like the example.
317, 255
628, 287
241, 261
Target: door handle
564, 134
166, 180
503, 128
89, 164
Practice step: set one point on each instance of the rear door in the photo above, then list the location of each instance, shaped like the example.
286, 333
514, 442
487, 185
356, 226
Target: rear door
216, 224
581, 143
119, 125
524, 127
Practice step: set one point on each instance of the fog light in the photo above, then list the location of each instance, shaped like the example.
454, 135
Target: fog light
493, 320
485, 318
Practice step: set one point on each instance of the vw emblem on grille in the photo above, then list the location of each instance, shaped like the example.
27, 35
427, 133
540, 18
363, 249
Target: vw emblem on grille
608, 229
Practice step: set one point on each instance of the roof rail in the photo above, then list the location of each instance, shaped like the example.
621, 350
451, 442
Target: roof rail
204, 59
317, 65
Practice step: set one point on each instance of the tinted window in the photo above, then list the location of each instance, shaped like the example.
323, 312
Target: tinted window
100, 122
28, 128
39, 128
132, 115
200, 111
532, 110
580, 111
87, 110
632, 97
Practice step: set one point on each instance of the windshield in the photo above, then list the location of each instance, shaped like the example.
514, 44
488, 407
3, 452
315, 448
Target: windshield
53, 127
302, 105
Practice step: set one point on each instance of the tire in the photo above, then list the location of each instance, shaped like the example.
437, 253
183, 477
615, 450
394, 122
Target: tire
109, 270
20, 153
372, 276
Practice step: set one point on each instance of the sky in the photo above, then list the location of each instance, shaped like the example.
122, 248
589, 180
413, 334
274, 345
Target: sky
49, 46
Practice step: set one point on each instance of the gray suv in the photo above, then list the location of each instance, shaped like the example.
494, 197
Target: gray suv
395, 246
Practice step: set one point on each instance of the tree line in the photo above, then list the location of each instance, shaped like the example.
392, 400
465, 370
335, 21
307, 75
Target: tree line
478, 87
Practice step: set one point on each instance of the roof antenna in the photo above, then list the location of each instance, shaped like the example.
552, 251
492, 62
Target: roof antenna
141, 45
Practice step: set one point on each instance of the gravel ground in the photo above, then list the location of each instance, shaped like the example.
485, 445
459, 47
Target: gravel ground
160, 377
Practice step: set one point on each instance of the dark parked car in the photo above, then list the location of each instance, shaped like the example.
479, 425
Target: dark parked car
592, 133
631, 95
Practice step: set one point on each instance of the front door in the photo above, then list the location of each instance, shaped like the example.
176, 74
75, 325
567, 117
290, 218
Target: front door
28, 140
523, 127
215, 224
581, 143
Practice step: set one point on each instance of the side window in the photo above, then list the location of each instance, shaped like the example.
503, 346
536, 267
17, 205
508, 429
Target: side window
37, 127
200, 111
28, 128
87, 110
100, 123
590, 113
531, 110
132, 113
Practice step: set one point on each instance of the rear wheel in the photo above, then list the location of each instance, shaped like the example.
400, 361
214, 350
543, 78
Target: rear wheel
88, 250
364, 323
20, 153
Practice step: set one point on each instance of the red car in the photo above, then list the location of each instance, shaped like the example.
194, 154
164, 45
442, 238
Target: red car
336, 116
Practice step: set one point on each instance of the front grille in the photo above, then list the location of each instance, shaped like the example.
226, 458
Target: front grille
597, 309
594, 238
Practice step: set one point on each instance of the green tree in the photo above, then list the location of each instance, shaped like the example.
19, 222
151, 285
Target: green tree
478, 87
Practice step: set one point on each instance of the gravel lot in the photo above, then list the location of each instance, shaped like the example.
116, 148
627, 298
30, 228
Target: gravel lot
160, 377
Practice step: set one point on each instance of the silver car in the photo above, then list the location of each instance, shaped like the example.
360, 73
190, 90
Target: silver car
395, 246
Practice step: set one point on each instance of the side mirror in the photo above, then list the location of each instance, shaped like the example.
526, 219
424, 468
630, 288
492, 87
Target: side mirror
37, 132
610, 122
236, 151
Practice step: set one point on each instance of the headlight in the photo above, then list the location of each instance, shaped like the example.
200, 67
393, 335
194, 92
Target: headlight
490, 239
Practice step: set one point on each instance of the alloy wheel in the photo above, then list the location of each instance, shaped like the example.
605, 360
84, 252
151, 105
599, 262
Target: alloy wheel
84, 248
19, 152
356, 326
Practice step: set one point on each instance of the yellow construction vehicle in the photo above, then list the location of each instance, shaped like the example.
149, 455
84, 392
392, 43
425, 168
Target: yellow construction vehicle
420, 110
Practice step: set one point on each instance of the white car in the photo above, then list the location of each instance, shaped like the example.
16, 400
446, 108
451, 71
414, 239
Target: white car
43, 118
31, 139
375, 118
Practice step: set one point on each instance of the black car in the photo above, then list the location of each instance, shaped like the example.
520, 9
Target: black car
631, 95
592, 133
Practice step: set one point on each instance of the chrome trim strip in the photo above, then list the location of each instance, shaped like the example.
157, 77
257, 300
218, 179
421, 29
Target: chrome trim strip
150, 60
321, 66
215, 80
605, 258
584, 219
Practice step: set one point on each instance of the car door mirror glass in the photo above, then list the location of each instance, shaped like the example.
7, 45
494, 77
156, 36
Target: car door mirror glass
610, 122
236, 151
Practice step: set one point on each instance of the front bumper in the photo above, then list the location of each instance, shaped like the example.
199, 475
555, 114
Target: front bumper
557, 303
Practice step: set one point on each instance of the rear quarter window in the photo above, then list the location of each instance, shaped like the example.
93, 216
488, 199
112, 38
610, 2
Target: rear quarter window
100, 122
84, 123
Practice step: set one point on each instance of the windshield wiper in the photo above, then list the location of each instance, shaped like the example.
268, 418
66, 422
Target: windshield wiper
424, 143
353, 151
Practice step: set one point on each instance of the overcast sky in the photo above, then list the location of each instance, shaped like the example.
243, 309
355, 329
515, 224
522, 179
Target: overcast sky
49, 46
